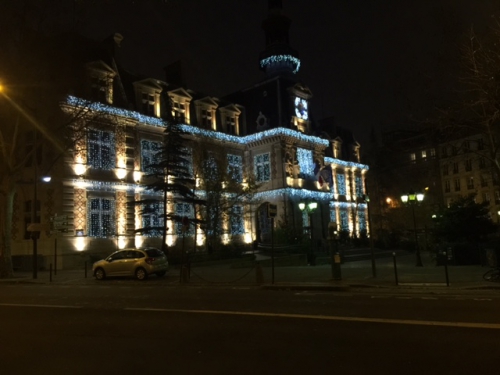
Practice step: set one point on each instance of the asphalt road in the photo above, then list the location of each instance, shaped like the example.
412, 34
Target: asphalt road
130, 327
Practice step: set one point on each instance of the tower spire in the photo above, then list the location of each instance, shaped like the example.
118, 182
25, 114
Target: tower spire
278, 57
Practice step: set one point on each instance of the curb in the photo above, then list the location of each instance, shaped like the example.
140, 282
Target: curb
331, 288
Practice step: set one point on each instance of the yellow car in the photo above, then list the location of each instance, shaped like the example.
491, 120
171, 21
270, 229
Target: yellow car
132, 262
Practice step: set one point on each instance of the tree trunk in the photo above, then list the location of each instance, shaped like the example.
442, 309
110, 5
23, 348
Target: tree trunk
6, 268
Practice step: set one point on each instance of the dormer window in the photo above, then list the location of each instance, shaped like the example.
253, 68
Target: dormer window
148, 104
231, 125
230, 119
179, 112
101, 89
206, 119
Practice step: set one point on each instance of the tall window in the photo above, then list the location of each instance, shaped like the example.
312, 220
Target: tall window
262, 167
306, 162
455, 168
149, 151
231, 124
148, 104
235, 167
413, 157
183, 210
424, 154
457, 184
468, 165
433, 152
482, 162
470, 183
101, 217
179, 112
447, 186
206, 119
236, 220
152, 218
100, 89
101, 145
359, 186
341, 184
445, 170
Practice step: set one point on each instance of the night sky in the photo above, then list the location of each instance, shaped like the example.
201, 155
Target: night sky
381, 63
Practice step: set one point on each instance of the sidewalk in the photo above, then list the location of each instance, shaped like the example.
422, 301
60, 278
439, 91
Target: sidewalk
354, 275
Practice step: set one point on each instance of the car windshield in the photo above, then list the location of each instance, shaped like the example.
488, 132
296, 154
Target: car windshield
153, 253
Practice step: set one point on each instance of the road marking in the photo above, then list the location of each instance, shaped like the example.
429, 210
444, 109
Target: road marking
326, 317
49, 306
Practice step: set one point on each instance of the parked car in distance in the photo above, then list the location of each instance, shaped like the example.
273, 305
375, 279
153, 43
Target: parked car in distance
132, 262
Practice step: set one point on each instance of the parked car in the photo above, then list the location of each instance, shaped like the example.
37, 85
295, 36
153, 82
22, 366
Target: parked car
132, 262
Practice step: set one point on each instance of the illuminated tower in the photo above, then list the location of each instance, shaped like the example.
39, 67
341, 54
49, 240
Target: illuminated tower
278, 58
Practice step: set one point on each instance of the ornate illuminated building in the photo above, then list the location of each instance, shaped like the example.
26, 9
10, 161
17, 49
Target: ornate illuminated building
267, 131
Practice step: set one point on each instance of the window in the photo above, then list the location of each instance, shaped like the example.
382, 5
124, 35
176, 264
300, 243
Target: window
486, 197
306, 162
424, 154
149, 151
100, 89
236, 220
497, 196
444, 152
482, 163
445, 170
235, 167
262, 167
179, 112
484, 183
152, 218
433, 152
101, 217
454, 150
413, 157
101, 145
231, 124
447, 188
341, 184
206, 119
455, 168
359, 186
183, 210
148, 104
470, 183
457, 184
468, 165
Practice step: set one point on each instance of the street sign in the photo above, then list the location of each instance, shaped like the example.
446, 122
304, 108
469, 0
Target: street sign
272, 210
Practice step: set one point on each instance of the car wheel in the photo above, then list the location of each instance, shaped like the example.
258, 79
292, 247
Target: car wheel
141, 274
161, 273
100, 274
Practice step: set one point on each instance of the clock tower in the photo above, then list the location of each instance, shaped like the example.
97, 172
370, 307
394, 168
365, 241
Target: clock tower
278, 58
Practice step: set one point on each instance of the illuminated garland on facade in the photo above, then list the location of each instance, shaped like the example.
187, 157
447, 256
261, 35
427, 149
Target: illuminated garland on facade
262, 167
149, 151
102, 149
101, 217
281, 58
236, 220
299, 194
306, 163
235, 167
343, 163
341, 184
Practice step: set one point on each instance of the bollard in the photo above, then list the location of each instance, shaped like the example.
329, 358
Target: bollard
395, 268
259, 277
446, 268
337, 271
85, 269
50, 272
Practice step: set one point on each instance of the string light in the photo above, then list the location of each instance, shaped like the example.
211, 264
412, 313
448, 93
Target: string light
341, 184
237, 222
343, 163
235, 167
281, 58
306, 163
101, 217
262, 167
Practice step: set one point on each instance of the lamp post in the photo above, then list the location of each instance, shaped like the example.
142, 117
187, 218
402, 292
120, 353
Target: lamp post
413, 199
309, 208
372, 250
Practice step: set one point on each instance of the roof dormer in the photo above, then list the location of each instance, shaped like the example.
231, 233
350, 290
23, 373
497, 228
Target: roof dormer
230, 119
147, 96
101, 77
181, 101
205, 112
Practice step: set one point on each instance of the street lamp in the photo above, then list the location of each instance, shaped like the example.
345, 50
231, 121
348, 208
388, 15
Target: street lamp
309, 208
413, 199
372, 249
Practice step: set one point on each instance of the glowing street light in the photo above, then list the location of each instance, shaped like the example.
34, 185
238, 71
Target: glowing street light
413, 199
